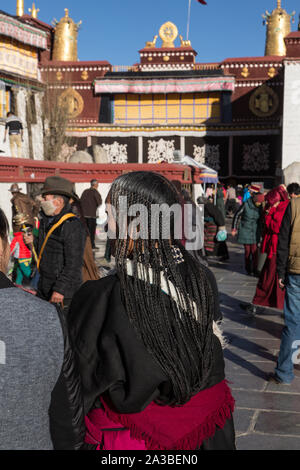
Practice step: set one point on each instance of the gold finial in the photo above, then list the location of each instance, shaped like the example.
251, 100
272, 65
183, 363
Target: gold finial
34, 11
20, 7
65, 40
168, 33
278, 27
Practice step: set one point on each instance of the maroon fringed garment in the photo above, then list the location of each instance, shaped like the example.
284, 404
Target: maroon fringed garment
167, 428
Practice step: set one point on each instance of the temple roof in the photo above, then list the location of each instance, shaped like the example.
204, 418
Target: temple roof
13, 27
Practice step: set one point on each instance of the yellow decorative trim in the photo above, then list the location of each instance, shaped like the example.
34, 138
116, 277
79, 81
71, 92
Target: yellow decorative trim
85, 75
245, 72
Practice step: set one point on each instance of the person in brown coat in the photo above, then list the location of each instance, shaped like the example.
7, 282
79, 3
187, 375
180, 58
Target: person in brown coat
22, 204
90, 201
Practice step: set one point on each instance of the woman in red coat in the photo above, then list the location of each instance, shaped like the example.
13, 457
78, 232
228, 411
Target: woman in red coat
268, 292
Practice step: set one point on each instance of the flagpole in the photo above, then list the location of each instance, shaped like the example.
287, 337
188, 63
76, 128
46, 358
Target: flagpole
189, 20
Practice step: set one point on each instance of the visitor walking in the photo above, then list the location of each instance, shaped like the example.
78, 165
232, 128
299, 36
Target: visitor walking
247, 224
90, 201
20, 251
268, 293
60, 244
231, 203
150, 330
215, 234
14, 127
288, 268
40, 395
220, 203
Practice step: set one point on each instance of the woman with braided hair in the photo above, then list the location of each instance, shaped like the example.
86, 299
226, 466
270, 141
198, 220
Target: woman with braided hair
147, 340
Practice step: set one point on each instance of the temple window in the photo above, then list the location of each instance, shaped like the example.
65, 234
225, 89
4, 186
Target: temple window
185, 108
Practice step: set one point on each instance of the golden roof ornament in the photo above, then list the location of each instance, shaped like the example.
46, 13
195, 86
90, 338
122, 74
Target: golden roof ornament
65, 39
168, 33
278, 27
184, 42
34, 11
150, 44
20, 7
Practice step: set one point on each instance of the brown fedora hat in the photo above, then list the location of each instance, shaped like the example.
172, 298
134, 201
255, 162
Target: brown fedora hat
14, 188
58, 186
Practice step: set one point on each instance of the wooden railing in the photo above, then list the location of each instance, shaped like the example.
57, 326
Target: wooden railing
15, 170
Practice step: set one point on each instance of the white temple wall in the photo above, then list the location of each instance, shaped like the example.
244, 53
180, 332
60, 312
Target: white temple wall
21, 107
5, 197
291, 114
37, 130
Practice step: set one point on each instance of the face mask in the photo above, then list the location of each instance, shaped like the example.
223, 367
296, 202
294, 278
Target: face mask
48, 207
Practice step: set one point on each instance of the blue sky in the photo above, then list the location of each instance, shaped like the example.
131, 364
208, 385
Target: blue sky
115, 30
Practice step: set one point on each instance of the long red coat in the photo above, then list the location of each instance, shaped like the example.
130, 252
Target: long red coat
273, 222
268, 292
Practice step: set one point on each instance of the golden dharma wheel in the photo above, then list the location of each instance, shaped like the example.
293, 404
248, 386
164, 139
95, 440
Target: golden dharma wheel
168, 33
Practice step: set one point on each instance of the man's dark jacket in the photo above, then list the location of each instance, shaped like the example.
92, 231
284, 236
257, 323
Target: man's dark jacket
90, 201
284, 244
62, 259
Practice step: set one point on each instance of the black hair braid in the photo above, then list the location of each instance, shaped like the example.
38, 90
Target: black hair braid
178, 331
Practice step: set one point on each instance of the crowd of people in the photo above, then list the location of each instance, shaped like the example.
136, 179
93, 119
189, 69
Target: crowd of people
133, 360
111, 363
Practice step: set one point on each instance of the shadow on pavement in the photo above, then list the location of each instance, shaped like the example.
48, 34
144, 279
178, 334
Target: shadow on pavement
241, 362
231, 310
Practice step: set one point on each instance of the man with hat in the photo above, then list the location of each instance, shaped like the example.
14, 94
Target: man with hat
22, 204
60, 244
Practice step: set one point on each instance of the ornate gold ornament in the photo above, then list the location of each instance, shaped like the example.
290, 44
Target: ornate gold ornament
65, 39
20, 7
168, 34
85, 75
278, 27
166, 58
150, 59
72, 102
33, 11
245, 72
272, 72
184, 42
182, 57
150, 44
59, 76
264, 102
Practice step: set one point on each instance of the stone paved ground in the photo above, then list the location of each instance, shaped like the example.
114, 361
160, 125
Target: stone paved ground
267, 416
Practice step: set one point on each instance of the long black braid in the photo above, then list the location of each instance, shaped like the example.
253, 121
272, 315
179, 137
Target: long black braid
185, 355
